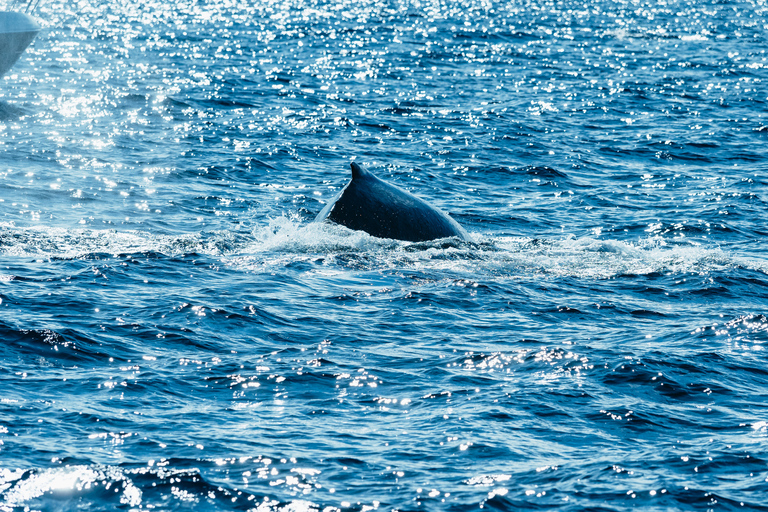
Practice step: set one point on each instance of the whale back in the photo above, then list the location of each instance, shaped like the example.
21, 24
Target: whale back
370, 204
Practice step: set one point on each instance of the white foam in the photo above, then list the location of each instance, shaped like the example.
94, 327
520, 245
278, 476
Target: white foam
290, 236
283, 241
44, 242
603, 259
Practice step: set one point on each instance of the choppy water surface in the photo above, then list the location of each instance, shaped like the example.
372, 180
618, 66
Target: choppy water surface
178, 334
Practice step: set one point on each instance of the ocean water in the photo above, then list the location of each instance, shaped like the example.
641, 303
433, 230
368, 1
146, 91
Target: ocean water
177, 334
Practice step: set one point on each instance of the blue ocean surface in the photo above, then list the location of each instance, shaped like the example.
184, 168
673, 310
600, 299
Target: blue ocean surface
178, 334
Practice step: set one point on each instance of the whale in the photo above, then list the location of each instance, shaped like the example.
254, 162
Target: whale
368, 203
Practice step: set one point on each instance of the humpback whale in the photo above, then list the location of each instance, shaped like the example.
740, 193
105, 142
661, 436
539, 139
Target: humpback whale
370, 204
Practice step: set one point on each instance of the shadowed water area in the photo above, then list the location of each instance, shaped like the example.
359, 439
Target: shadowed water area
177, 334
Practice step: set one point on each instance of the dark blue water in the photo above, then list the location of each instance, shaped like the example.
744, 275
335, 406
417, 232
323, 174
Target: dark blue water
177, 333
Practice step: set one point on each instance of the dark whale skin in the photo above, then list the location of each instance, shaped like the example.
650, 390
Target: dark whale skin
382, 210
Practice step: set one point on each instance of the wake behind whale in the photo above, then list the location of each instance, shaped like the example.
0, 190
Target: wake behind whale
370, 204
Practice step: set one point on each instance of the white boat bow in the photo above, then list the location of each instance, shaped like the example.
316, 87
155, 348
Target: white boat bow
17, 30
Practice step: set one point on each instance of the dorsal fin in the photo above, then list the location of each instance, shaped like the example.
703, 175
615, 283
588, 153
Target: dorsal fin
358, 171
